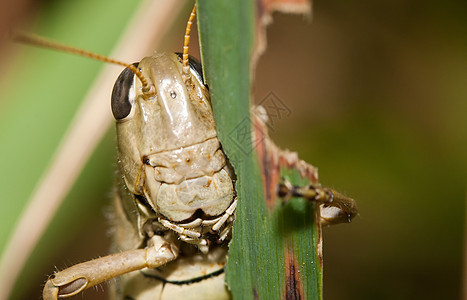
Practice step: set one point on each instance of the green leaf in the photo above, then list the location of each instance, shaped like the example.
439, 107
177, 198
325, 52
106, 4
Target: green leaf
273, 254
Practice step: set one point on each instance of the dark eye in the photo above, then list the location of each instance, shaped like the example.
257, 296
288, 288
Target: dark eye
120, 100
195, 66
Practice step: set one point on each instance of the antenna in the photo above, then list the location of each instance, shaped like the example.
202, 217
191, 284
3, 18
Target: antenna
148, 89
186, 43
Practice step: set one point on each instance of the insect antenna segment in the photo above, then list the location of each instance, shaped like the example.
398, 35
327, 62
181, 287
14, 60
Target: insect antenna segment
22, 37
186, 44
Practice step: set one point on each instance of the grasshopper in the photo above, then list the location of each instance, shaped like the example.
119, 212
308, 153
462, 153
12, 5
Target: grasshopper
174, 199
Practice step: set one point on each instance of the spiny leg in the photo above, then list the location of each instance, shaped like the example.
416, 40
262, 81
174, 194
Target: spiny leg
75, 279
335, 207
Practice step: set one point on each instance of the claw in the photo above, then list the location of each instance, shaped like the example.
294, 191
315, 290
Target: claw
54, 290
50, 291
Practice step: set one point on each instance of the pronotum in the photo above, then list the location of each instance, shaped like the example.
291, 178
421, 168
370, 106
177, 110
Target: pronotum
174, 199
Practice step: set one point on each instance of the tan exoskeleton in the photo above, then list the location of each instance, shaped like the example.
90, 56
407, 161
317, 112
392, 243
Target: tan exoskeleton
175, 201
175, 196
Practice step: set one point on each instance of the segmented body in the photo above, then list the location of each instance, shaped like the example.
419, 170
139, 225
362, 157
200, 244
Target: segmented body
174, 182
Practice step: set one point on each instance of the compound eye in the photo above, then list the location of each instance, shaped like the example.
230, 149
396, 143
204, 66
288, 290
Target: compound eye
121, 100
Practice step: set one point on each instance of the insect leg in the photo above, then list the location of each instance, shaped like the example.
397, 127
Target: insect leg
210, 222
75, 279
335, 207
225, 232
179, 229
193, 224
226, 215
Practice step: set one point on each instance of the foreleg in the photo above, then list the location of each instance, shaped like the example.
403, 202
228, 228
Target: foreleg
75, 279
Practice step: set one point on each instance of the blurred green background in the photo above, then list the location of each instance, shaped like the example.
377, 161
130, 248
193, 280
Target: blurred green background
377, 94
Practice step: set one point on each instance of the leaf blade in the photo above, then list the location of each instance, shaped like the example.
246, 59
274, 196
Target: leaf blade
268, 250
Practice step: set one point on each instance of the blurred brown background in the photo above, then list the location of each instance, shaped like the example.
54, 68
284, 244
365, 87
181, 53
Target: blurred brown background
377, 94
